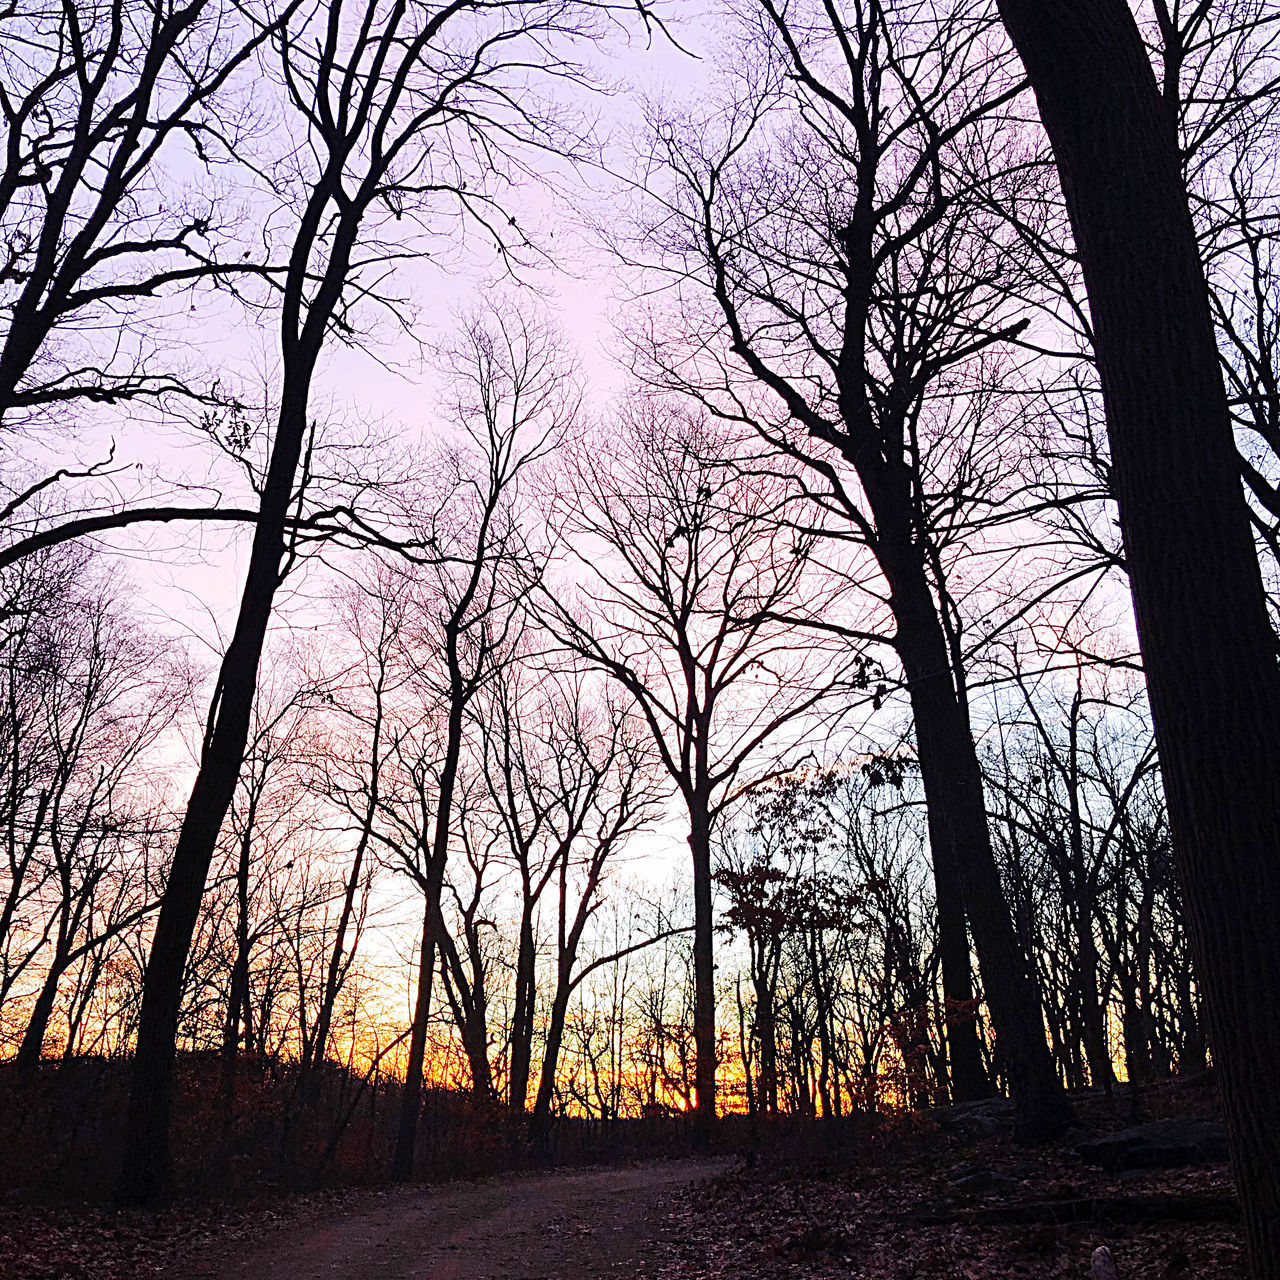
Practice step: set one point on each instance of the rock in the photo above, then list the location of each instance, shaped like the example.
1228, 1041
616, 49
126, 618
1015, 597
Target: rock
1102, 1210
1161, 1144
977, 1127
974, 1120
999, 1108
1103, 1264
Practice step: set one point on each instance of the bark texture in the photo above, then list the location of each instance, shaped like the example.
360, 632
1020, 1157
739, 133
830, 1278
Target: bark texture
1207, 645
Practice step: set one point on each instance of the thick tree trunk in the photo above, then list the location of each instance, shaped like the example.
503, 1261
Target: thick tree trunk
704, 992
964, 869
767, 1034
467, 1003
961, 844
964, 1054
952, 787
1207, 644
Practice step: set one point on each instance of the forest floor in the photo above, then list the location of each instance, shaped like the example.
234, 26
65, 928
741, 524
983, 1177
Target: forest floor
933, 1196
940, 1197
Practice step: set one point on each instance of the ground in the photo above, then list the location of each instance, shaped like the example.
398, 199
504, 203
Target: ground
590, 1224
985, 1211
585, 1225
948, 1195
923, 1197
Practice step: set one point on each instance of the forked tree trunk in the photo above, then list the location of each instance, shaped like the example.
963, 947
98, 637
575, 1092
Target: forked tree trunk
1207, 643
469, 1006
32, 1046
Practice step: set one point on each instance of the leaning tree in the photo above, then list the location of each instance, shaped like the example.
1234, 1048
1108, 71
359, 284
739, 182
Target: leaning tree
1207, 643
399, 115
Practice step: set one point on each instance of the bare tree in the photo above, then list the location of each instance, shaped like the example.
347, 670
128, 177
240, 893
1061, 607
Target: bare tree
693, 573
516, 398
601, 792
836, 234
824, 878
125, 128
562, 773
373, 91
349, 776
467, 970
87, 696
522, 762
99, 102
1056, 791
263, 829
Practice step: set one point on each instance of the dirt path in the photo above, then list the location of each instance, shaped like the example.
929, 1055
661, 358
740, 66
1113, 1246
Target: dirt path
565, 1226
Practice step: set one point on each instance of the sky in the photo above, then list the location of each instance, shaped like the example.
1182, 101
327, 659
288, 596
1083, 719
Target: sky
189, 576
